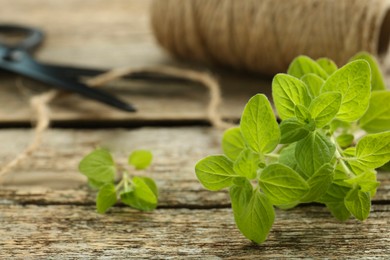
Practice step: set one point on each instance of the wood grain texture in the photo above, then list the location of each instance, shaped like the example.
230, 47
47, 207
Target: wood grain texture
157, 103
79, 232
53, 168
46, 211
50, 176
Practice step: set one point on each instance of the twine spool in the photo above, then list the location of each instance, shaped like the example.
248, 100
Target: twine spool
265, 35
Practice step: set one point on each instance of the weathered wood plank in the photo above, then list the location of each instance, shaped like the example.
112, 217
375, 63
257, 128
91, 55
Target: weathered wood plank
156, 102
53, 168
50, 176
91, 32
58, 219
77, 231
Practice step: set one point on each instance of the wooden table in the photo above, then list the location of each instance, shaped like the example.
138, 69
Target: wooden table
46, 211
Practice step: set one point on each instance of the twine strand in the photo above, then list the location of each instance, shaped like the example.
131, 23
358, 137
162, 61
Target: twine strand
204, 79
39, 104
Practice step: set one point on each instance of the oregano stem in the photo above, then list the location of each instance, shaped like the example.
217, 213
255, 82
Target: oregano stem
119, 185
279, 148
125, 180
272, 155
339, 157
345, 167
347, 158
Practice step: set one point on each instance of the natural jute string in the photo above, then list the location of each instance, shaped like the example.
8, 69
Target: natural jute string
204, 79
40, 103
265, 35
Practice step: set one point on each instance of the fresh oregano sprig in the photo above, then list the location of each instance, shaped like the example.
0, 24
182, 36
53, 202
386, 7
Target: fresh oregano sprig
334, 133
135, 191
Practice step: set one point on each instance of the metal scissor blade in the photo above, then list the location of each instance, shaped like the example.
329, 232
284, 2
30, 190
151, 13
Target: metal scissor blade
26, 66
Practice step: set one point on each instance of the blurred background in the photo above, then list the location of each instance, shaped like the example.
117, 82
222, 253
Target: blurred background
130, 33
241, 43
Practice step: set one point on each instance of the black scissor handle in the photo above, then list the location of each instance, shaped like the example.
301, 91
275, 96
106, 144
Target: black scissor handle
32, 40
17, 58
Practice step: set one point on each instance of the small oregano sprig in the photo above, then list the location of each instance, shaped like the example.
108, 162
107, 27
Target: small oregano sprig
334, 133
135, 191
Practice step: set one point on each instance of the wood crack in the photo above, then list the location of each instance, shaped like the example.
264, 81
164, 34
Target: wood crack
164, 206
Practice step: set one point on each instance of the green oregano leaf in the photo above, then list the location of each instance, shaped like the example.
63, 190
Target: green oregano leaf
253, 212
373, 150
287, 92
314, 151
358, 203
337, 124
106, 198
282, 185
367, 182
233, 143
303, 65
98, 166
240, 181
339, 210
95, 184
258, 125
377, 117
143, 196
324, 108
287, 206
292, 130
345, 140
339, 174
353, 82
335, 193
287, 157
302, 114
151, 185
140, 159
246, 164
313, 83
334, 200
319, 183
327, 64
377, 81
215, 172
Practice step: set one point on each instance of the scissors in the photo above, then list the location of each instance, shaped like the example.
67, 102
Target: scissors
17, 58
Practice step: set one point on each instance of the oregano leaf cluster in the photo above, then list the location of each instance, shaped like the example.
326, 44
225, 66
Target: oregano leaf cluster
333, 135
135, 191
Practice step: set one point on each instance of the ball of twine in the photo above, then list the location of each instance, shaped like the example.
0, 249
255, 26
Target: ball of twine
265, 35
